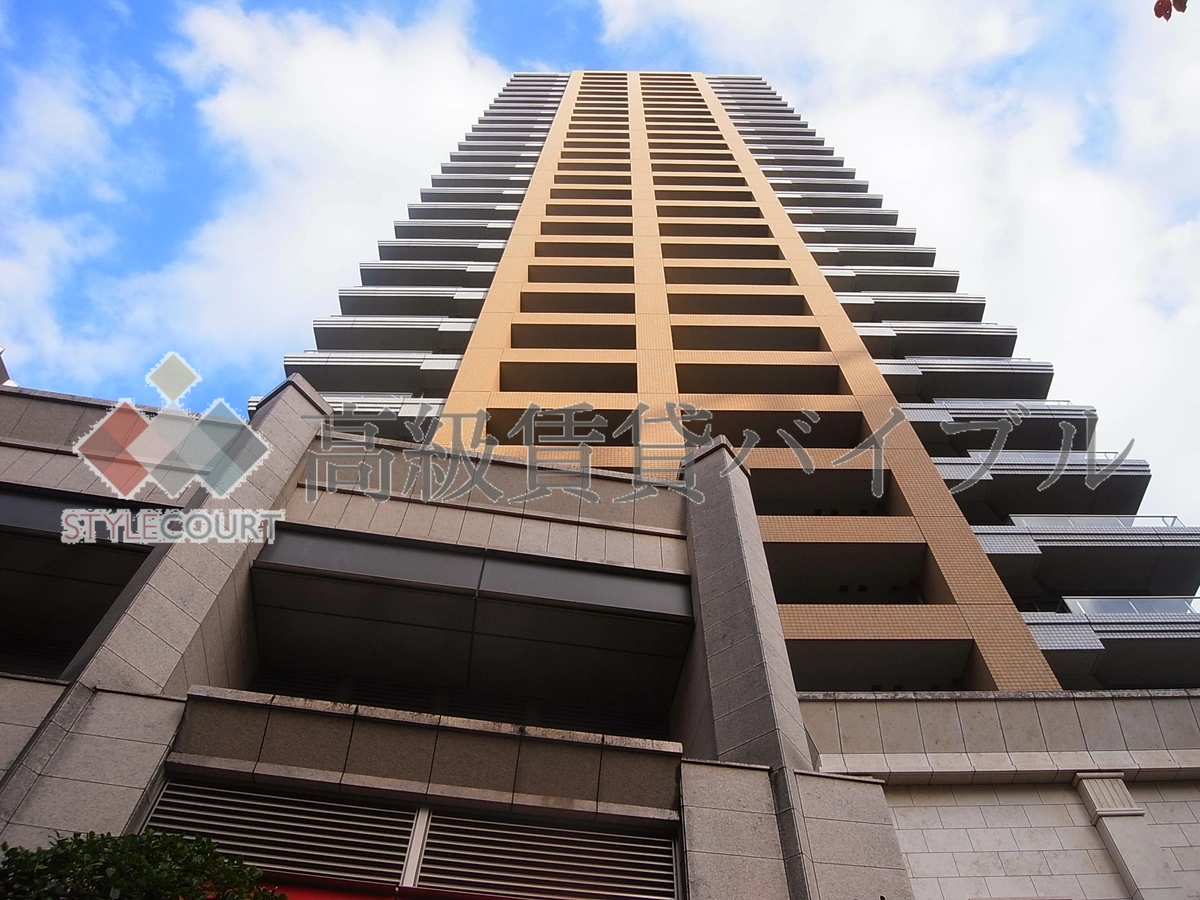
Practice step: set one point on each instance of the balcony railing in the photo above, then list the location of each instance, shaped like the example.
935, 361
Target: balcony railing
1076, 523
1133, 606
1076, 456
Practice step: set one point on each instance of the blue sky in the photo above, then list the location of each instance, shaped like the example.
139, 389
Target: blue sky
203, 176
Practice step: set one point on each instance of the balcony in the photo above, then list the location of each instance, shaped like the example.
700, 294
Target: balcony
837, 200
513, 169
880, 306
824, 182
404, 618
1011, 486
1102, 523
486, 251
398, 273
930, 377
463, 229
890, 278
1122, 642
844, 559
476, 155
55, 595
414, 373
841, 215
516, 142
431, 334
498, 179
444, 300
1039, 428
1091, 555
887, 235
506, 212
778, 151
513, 194
388, 411
848, 254
765, 158
787, 172
1133, 606
898, 339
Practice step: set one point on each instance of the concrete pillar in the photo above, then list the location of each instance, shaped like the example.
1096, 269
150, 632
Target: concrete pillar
185, 619
730, 833
739, 652
1143, 864
190, 621
756, 717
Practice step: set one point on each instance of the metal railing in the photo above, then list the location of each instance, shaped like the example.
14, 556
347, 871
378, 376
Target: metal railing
1078, 523
1133, 606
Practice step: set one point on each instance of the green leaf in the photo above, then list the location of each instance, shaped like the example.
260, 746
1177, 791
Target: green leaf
149, 865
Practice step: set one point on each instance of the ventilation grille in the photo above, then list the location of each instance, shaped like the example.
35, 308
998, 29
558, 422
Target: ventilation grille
334, 839
536, 862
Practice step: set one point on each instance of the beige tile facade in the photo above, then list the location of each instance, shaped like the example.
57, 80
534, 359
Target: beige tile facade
967, 841
660, 128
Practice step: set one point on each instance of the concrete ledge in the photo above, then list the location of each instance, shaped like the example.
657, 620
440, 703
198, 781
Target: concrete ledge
318, 745
1000, 738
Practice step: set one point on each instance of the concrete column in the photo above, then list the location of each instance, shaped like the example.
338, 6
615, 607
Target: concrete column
853, 850
1143, 864
94, 765
740, 652
190, 621
730, 833
756, 717
96, 759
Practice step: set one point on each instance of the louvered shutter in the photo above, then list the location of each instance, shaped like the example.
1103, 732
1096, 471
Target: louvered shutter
516, 860
278, 833
361, 842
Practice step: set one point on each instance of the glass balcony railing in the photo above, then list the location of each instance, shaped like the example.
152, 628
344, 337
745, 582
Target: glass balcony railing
1133, 606
1000, 404
1076, 523
1051, 456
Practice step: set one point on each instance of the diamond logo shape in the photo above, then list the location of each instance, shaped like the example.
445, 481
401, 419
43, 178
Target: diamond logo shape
106, 449
159, 448
238, 449
173, 377
126, 448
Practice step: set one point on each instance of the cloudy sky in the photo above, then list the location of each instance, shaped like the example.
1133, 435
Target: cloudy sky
202, 177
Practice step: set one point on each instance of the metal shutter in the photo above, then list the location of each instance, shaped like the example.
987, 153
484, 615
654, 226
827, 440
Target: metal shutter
339, 838
531, 861
335, 839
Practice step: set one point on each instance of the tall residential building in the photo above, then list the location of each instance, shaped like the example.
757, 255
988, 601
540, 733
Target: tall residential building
880, 620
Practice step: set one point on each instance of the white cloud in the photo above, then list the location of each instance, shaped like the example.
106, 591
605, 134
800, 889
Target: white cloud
56, 141
856, 43
1095, 256
338, 128
331, 130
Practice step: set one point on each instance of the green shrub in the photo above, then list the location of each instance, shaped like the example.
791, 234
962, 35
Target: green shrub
149, 866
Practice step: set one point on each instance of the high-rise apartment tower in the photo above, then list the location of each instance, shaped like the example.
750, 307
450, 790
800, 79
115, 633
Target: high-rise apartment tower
660, 523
